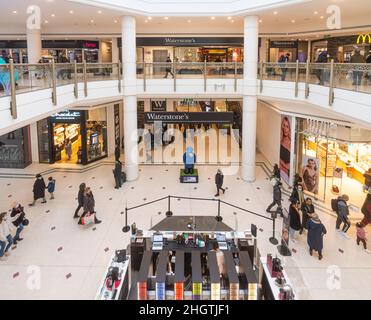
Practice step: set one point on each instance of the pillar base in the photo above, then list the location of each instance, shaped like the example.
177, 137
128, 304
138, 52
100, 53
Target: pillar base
248, 173
132, 172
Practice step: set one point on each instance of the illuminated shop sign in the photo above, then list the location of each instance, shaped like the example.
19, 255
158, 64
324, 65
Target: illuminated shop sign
66, 116
364, 38
189, 117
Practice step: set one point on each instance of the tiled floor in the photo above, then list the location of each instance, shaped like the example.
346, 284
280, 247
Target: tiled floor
71, 259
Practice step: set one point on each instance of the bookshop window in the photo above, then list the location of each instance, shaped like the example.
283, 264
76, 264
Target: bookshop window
96, 131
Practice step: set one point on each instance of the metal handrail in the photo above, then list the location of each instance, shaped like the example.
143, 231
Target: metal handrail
332, 75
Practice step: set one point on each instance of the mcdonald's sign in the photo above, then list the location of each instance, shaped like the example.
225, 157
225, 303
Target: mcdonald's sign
364, 38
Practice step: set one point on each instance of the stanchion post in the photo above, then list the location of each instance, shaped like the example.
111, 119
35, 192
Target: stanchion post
219, 218
169, 213
126, 228
273, 239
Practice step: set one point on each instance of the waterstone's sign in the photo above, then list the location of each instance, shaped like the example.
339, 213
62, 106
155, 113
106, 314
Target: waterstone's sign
189, 117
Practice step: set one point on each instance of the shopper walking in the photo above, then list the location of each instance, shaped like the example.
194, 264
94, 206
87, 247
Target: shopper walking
294, 218
366, 210
219, 180
284, 59
357, 57
322, 72
38, 190
168, 68
361, 236
68, 148
18, 218
316, 231
342, 215
307, 210
89, 204
51, 187
276, 173
277, 198
117, 174
80, 199
6, 239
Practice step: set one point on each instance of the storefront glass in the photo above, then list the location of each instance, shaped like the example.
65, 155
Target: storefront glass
43, 141
15, 150
331, 166
96, 134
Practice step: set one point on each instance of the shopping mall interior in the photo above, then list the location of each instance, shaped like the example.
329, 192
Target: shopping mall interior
142, 143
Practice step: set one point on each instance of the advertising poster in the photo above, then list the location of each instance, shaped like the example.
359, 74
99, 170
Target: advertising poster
310, 168
285, 147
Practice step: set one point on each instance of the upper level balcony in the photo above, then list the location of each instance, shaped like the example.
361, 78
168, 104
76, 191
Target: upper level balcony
34, 91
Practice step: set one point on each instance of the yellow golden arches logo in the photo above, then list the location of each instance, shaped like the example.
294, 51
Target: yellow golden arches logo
364, 37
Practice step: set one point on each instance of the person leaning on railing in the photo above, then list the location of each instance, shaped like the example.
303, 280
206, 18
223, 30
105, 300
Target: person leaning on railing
357, 57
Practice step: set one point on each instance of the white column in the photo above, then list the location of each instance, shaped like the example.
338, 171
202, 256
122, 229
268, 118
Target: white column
34, 45
128, 25
115, 51
251, 34
34, 142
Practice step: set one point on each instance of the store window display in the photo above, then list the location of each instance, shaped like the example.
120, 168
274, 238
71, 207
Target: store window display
96, 131
15, 149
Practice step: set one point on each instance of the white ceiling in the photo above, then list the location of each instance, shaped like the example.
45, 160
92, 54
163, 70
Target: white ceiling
88, 23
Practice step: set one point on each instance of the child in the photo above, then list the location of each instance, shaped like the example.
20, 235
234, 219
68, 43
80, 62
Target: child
51, 187
361, 236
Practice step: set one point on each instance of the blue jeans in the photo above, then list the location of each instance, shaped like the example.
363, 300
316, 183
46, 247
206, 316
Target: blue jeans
4, 247
19, 230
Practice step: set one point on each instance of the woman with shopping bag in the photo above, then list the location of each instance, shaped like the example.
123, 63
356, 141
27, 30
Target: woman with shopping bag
89, 216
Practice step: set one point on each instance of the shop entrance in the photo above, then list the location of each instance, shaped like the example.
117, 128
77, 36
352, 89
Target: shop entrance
67, 143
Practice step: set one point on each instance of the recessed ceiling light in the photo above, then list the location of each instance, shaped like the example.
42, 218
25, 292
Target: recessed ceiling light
275, 12
71, 11
149, 18
260, 20
212, 18
189, 21
232, 21
99, 11
315, 12
145, 21
321, 17
91, 21
166, 18
229, 18
293, 21
115, 21
46, 21
53, 15
15, 11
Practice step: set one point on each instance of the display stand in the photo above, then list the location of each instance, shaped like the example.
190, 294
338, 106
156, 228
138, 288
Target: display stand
188, 178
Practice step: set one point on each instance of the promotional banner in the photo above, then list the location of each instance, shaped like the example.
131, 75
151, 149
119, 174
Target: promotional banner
285, 147
310, 168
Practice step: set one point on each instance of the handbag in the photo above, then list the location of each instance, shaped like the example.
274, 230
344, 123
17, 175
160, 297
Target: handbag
89, 218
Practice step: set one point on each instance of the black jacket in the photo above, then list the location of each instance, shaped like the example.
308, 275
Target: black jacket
118, 170
80, 197
117, 153
219, 179
18, 211
277, 195
39, 188
89, 203
294, 218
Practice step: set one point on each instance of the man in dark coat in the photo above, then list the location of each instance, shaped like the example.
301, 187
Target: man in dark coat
117, 174
38, 190
80, 199
307, 210
89, 205
277, 198
366, 210
219, 179
316, 231
294, 218
18, 218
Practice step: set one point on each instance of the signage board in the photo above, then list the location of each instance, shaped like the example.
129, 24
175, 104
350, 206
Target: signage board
67, 116
188, 117
158, 105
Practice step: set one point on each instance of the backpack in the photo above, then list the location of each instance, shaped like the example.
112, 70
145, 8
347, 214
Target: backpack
334, 205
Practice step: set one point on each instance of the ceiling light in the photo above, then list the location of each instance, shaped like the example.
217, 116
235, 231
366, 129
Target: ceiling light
71, 11
115, 21
166, 18
275, 12
292, 21
145, 21
15, 11
149, 18
212, 18
53, 15
91, 21
232, 21
189, 21
321, 17
99, 12
229, 18
260, 20
315, 12
46, 21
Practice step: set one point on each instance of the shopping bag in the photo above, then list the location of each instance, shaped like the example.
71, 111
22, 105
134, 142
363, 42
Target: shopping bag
89, 218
